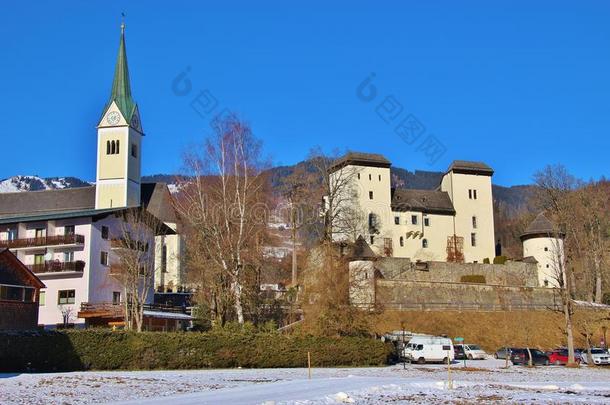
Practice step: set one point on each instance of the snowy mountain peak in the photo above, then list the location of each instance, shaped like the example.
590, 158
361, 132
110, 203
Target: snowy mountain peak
35, 183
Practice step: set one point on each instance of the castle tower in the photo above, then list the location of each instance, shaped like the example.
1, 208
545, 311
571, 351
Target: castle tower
469, 187
119, 142
544, 242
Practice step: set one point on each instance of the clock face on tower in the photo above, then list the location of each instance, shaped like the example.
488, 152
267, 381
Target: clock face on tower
113, 118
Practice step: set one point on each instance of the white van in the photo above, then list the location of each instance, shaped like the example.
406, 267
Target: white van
428, 349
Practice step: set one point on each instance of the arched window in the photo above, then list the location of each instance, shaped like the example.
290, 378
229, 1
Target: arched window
112, 148
402, 241
424, 243
108, 147
117, 147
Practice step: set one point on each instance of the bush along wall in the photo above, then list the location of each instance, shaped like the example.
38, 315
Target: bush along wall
107, 350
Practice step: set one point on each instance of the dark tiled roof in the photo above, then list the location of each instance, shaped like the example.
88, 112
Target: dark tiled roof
361, 159
46, 201
540, 226
71, 202
463, 166
428, 201
362, 250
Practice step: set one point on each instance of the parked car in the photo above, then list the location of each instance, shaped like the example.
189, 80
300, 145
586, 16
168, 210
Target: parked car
424, 349
459, 353
471, 352
503, 353
521, 356
600, 357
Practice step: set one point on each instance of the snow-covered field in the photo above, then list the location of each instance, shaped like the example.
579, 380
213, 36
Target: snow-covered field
483, 381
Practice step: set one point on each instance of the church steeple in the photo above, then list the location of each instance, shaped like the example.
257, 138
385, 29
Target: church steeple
119, 144
120, 94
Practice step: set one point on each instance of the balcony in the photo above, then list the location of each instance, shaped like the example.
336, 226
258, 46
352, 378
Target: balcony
44, 241
54, 266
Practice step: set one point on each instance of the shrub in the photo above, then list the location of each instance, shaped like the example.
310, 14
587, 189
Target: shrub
473, 278
219, 348
500, 259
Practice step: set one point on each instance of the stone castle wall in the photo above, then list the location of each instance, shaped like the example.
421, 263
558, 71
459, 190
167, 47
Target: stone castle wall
394, 283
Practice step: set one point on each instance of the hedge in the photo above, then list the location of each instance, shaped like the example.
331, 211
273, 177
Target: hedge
120, 350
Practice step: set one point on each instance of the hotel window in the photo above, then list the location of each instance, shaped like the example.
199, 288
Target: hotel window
69, 230
42, 298
116, 297
402, 241
370, 195
104, 232
38, 259
474, 222
40, 232
473, 239
396, 220
11, 234
68, 257
104, 258
413, 219
424, 243
66, 297
134, 150
426, 221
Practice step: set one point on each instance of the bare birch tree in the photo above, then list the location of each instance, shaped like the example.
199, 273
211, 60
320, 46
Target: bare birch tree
223, 203
133, 244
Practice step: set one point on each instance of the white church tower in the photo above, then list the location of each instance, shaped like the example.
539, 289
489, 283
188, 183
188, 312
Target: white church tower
119, 140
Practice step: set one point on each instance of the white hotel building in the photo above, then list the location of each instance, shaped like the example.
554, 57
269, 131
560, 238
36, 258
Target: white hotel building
68, 238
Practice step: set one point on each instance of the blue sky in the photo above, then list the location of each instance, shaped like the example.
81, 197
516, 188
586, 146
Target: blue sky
517, 84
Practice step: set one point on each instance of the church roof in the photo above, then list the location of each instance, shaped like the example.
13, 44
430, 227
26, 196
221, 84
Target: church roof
121, 86
427, 201
540, 227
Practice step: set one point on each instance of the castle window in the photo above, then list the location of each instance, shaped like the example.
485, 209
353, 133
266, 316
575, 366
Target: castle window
546, 249
380, 177
370, 195
396, 220
474, 222
413, 219
546, 282
426, 221
372, 240
370, 177
402, 241
358, 176
473, 239
424, 243
134, 150
547, 266
108, 147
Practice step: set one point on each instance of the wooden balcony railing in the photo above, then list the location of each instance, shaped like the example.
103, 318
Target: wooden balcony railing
43, 241
112, 310
52, 266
